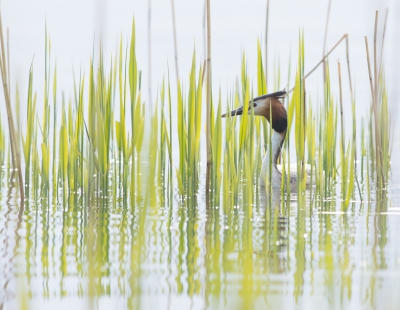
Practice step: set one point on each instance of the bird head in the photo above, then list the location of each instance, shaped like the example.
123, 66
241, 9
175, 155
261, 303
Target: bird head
268, 106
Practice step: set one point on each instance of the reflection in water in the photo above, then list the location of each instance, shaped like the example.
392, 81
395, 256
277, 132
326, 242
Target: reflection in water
167, 253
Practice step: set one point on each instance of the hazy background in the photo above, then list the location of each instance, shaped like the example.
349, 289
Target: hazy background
76, 27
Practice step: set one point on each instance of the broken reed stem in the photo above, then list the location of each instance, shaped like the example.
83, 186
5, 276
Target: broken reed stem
204, 71
322, 60
378, 151
175, 40
14, 142
266, 45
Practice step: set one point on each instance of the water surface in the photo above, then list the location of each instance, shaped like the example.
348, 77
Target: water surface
174, 254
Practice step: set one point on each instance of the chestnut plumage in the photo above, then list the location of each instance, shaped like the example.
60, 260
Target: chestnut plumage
263, 106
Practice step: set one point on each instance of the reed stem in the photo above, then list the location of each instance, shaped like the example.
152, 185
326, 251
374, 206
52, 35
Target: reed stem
378, 151
208, 116
13, 138
383, 43
322, 60
341, 106
325, 38
266, 45
175, 39
149, 53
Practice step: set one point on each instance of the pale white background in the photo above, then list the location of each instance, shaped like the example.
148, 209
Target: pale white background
75, 28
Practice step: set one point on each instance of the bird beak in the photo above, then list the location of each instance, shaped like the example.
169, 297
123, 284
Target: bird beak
234, 112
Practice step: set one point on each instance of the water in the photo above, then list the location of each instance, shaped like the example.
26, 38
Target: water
186, 256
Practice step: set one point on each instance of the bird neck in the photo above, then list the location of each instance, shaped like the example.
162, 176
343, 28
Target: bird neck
277, 140
271, 156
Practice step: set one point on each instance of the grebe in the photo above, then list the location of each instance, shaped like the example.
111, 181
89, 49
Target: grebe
262, 106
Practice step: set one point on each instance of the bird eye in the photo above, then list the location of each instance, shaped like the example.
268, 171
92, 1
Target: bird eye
254, 104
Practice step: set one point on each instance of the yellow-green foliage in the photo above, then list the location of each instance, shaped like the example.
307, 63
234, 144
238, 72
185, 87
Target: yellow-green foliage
328, 138
137, 115
64, 152
89, 137
27, 141
261, 90
165, 142
189, 130
299, 102
311, 144
385, 122
216, 152
45, 164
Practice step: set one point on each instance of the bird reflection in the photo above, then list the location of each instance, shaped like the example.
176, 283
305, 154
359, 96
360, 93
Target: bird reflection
274, 231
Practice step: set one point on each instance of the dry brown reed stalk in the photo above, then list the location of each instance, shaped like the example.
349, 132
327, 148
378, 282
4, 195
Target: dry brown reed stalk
378, 151
341, 106
13, 137
380, 68
383, 42
375, 62
376, 91
305, 107
322, 60
325, 38
149, 51
204, 28
266, 45
354, 133
175, 40
8, 61
304, 126
208, 116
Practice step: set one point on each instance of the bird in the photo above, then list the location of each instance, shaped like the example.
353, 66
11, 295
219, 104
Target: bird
263, 106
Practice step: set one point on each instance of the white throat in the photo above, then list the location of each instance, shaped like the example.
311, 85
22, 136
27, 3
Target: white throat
271, 157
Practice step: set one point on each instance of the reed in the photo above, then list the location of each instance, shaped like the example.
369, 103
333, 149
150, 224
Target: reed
15, 149
299, 101
381, 120
266, 42
175, 40
149, 54
246, 138
189, 130
216, 148
311, 150
27, 141
209, 95
262, 88
2, 153
347, 157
